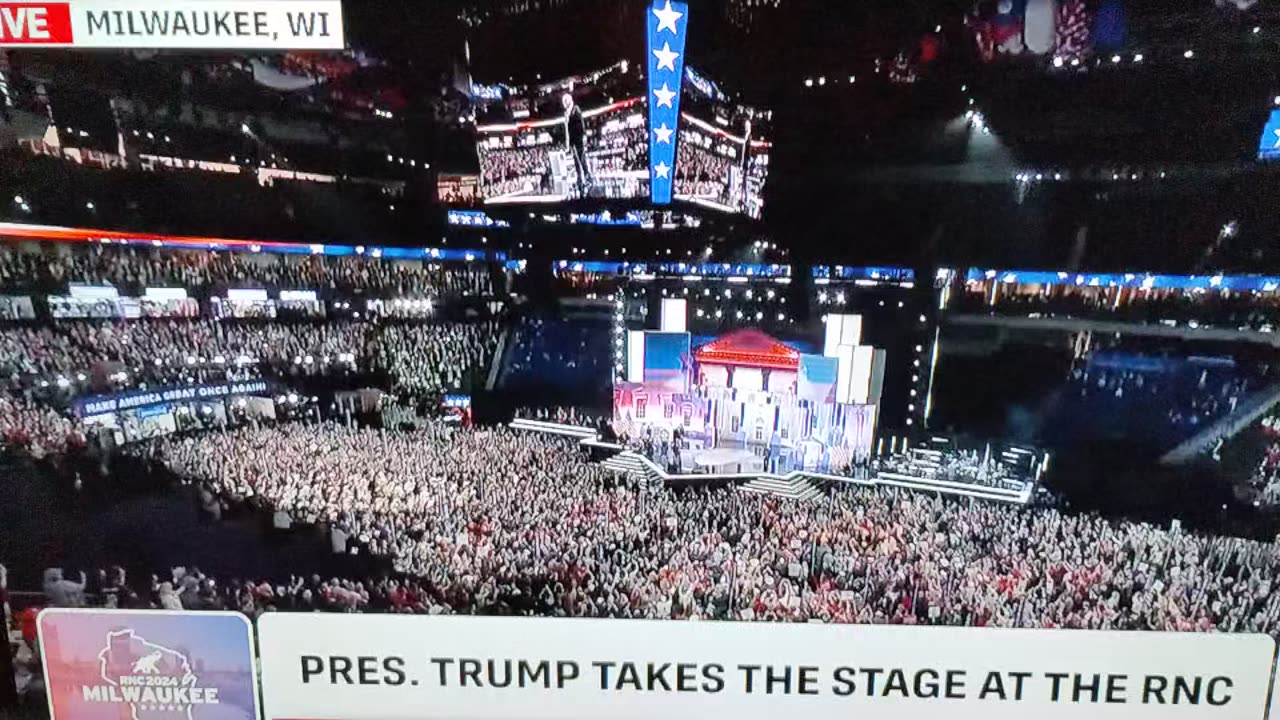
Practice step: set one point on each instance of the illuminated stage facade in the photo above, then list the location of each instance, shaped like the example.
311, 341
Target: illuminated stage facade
746, 391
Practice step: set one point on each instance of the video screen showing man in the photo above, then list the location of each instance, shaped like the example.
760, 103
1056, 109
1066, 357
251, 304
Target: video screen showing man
723, 158
456, 190
576, 138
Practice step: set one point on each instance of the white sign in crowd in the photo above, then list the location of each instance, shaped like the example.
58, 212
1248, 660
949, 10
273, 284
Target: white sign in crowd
329, 667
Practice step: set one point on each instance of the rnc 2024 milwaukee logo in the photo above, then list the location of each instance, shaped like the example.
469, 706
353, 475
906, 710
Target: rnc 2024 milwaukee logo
157, 682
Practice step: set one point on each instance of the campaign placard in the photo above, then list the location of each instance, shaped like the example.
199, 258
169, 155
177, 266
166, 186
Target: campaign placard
390, 667
148, 665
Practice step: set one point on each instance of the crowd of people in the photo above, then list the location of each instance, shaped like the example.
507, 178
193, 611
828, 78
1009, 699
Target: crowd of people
46, 366
1265, 480
165, 352
701, 172
426, 359
188, 588
565, 415
36, 427
423, 357
512, 171
493, 521
132, 269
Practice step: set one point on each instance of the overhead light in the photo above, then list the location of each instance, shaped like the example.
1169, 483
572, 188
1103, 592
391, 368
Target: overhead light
1115, 58
1058, 62
18, 199
808, 82
1137, 58
1189, 54
1256, 29
822, 81
89, 205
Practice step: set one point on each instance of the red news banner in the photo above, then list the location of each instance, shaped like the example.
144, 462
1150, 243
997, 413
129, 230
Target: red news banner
35, 23
195, 24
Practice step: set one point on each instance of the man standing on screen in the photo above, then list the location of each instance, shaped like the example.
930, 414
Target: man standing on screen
575, 137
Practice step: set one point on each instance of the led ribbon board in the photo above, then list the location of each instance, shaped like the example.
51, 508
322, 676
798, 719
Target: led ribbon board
666, 23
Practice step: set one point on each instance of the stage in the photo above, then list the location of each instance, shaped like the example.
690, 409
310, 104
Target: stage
730, 457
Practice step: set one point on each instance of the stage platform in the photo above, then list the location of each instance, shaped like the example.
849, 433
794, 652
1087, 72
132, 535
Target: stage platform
792, 482
730, 456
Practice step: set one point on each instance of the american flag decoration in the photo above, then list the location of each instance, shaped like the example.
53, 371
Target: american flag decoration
666, 24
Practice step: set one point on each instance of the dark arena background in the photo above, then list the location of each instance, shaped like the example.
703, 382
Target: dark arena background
886, 312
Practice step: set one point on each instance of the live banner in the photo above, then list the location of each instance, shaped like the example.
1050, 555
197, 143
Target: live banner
173, 24
391, 667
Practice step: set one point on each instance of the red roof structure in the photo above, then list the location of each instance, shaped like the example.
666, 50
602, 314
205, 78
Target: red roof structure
749, 348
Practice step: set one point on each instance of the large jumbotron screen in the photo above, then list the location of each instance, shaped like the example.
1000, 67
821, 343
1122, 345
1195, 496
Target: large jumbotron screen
584, 137
723, 158
540, 137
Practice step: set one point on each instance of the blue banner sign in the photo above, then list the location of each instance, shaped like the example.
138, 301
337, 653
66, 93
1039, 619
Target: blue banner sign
99, 404
1269, 143
1240, 283
882, 274
475, 218
666, 23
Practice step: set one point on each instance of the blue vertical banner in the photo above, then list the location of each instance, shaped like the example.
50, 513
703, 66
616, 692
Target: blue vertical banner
666, 23
1269, 143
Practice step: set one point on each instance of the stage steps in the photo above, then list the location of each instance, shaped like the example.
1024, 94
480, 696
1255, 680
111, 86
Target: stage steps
794, 488
554, 428
628, 463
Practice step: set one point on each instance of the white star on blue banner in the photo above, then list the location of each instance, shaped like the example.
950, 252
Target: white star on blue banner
667, 23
